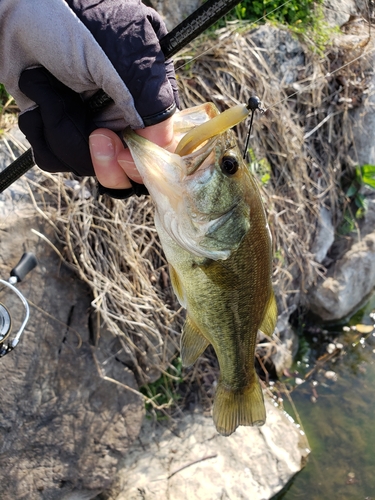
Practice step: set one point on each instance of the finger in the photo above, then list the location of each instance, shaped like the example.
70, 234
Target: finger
128, 166
105, 146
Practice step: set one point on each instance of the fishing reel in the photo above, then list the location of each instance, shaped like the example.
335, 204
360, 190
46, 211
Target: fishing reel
17, 274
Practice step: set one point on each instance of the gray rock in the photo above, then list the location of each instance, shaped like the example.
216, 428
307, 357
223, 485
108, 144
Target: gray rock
63, 428
348, 282
337, 12
324, 237
192, 461
363, 128
282, 51
174, 11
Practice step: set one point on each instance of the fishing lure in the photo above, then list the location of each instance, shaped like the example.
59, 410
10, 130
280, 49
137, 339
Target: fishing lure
219, 124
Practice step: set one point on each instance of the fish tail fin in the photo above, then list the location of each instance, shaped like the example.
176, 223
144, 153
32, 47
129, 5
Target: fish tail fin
238, 407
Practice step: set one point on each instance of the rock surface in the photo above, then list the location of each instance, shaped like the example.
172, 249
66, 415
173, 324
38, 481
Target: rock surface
337, 12
363, 129
174, 11
282, 51
192, 461
325, 235
348, 282
63, 428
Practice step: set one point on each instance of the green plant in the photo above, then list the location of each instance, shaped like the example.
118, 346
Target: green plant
164, 391
294, 12
364, 176
4, 97
356, 209
304, 18
261, 168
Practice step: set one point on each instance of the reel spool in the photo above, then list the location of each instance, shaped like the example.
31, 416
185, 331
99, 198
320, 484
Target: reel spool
5, 323
24, 266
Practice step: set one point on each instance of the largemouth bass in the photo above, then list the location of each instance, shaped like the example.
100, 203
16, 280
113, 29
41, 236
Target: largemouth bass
212, 225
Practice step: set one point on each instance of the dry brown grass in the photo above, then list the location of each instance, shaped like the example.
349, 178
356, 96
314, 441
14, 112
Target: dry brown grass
113, 244
8, 118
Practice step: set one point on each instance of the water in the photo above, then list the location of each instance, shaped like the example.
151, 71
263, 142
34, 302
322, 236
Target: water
340, 425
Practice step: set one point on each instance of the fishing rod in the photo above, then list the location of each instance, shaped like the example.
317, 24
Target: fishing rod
25, 265
201, 19
171, 43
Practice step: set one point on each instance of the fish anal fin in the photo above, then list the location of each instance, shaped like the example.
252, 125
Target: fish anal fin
177, 286
192, 343
238, 407
270, 317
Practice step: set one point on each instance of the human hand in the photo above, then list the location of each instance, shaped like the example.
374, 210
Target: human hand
113, 163
124, 60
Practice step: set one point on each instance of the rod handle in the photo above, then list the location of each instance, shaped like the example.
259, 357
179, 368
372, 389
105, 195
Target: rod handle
25, 265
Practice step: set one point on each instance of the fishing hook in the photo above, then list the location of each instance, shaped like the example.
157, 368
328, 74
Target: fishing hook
253, 104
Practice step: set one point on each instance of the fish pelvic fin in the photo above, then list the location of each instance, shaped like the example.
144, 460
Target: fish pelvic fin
238, 407
177, 286
192, 343
270, 318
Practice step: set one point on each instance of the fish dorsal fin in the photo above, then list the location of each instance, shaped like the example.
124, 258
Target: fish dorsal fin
177, 286
270, 317
192, 343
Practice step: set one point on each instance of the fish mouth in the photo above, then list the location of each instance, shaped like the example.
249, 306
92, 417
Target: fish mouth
155, 165
197, 159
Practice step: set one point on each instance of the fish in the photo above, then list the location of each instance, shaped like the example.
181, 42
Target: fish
213, 228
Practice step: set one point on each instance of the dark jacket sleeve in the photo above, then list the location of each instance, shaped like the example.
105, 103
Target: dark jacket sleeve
129, 33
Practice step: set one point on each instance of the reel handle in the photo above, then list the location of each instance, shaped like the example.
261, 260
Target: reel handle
25, 265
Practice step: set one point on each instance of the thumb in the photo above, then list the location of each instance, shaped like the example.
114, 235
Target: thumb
105, 146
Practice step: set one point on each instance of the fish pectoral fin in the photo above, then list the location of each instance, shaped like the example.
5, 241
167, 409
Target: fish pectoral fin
238, 407
220, 274
177, 286
270, 318
192, 343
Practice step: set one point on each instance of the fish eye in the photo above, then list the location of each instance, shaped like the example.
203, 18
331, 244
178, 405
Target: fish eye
229, 165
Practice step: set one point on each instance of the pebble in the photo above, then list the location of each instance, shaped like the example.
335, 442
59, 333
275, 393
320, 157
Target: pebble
331, 348
331, 375
299, 381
